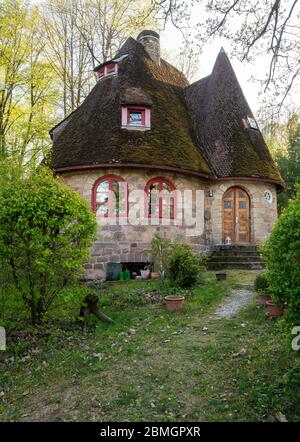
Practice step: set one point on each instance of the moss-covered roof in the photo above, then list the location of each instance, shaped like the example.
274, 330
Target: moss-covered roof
198, 127
220, 112
94, 134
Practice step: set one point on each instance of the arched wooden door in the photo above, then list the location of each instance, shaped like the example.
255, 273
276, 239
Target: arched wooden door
236, 216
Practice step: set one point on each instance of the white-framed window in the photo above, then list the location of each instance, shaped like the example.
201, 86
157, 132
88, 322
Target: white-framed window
136, 118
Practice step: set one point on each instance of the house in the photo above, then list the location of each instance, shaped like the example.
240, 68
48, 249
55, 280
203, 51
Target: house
152, 153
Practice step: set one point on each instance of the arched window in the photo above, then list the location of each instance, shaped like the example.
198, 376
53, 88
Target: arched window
110, 196
160, 201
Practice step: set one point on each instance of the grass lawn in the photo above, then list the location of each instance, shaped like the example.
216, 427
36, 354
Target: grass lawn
152, 365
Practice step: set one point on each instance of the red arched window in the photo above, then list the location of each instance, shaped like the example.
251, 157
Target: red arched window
110, 196
160, 201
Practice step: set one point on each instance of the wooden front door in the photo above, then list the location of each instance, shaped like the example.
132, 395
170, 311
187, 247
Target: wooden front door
236, 216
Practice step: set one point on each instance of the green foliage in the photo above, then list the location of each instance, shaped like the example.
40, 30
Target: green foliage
261, 283
284, 143
184, 266
292, 377
160, 252
282, 255
46, 230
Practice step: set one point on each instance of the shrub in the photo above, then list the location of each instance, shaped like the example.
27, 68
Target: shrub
46, 230
184, 266
281, 252
261, 283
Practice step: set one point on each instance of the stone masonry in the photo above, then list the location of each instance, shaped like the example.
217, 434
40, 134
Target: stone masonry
129, 243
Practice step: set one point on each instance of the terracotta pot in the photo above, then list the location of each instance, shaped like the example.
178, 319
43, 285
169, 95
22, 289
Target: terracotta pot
262, 299
174, 303
155, 275
273, 309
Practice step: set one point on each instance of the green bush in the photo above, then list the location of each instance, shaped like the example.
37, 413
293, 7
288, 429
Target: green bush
281, 253
46, 230
261, 283
184, 266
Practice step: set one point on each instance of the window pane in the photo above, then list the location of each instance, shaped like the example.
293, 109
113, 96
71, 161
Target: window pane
115, 186
102, 197
104, 186
227, 204
135, 118
166, 186
154, 209
242, 205
102, 209
228, 194
241, 195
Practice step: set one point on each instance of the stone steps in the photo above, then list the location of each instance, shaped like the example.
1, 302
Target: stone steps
235, 265
234, 256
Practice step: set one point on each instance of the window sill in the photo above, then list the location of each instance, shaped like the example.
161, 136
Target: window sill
113, 74
139, 128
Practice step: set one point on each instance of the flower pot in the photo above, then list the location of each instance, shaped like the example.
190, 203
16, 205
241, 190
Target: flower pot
262, 299
145, 274
155, 275
273, 309
221, 276
174, 303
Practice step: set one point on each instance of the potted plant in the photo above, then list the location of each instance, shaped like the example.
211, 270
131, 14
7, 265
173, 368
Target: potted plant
160, 252
261, 286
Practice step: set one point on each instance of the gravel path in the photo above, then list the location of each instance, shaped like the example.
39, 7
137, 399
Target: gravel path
238, 299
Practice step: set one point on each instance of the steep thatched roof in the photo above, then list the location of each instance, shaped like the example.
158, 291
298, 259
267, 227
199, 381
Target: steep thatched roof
94, 134
220, 112
199, 127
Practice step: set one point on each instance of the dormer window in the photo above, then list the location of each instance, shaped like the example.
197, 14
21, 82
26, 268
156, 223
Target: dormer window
111, 68
101, 72
252, 123
136, 118
107, 70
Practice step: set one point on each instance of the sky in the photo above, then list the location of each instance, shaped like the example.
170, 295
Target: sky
171, 39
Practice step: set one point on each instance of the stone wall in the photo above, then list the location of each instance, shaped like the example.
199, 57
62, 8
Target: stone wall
127, 243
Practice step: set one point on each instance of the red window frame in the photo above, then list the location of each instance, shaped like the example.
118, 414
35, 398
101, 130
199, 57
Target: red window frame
110, 179
160, 181
110, 68
136, 109
101, 72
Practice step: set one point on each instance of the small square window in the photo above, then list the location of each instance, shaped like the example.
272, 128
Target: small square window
136, 117
252, 123
101, 73
111, 68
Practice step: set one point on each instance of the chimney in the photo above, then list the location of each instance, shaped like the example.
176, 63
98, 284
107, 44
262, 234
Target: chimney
150, 41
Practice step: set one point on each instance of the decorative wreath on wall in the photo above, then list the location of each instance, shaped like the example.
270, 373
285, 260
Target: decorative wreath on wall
269, 196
